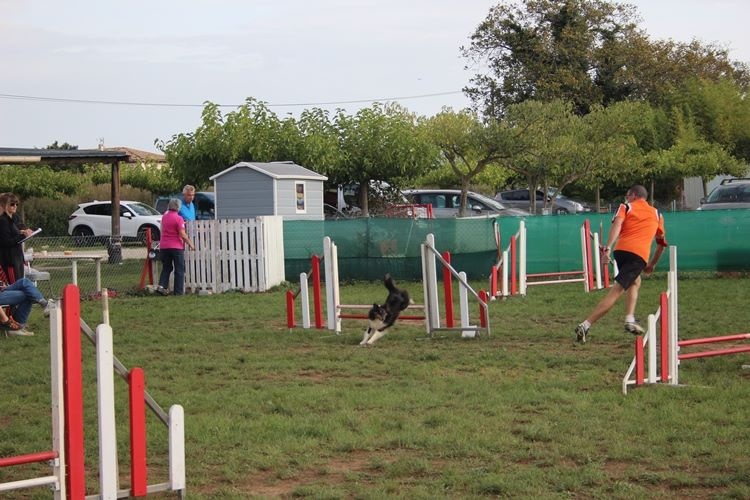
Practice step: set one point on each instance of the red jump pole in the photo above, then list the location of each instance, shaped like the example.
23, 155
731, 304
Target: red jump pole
493, 281
30, 458
664, 335
448, 291
711, 340
483, 309
639, 360
138, 470
290, 309
717, 352
316, 292
73, 393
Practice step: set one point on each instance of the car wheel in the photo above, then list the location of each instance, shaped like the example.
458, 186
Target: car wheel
82, 236
561, 211
155, 234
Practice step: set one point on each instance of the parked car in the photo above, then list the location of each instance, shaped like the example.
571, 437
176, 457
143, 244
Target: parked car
204, 201
519, 198
731, 193
92, 221
447, 202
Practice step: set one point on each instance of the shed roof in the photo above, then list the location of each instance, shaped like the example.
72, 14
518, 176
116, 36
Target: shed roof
15, 156
276, 170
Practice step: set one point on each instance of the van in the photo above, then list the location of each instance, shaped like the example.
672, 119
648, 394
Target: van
731, 193
204, 202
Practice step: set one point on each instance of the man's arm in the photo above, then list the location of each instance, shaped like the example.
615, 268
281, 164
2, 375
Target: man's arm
614, 233
654, 259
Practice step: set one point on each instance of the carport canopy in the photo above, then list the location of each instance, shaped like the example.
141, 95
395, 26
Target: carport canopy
30, 156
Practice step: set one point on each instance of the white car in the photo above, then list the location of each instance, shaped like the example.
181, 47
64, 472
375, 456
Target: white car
93, 220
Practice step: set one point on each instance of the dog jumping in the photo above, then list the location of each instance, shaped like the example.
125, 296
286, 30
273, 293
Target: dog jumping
382, 317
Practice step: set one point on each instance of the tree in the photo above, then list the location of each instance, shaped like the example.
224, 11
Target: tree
588, 52
467, 145
38, 181
382, 143
194, 157
571, 50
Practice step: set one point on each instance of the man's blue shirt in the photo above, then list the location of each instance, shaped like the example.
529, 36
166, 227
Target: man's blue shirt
187, 211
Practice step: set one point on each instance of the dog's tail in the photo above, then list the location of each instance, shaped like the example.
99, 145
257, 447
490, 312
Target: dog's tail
389, 284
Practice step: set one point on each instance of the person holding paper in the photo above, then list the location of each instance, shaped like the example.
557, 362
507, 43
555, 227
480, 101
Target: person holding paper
12, 233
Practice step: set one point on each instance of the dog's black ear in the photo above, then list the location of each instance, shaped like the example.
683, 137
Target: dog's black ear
375, 305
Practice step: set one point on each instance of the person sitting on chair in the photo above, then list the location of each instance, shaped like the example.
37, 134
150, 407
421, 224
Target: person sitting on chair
19, 296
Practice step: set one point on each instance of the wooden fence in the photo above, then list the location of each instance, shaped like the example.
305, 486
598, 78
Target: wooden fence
235, 254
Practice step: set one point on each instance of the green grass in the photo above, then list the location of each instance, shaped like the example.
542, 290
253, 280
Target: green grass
525, 413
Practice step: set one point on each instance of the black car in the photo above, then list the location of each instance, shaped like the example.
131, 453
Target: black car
204, 202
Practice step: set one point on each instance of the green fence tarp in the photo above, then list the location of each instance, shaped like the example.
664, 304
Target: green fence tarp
717, 240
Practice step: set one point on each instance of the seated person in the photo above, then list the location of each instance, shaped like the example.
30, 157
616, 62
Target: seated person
20, 296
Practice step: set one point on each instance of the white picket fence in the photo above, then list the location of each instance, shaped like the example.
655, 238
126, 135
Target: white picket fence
235, 254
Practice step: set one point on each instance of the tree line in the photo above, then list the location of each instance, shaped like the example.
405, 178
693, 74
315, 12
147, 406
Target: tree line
563, 93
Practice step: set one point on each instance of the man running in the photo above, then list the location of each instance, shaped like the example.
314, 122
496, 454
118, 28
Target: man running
634, 226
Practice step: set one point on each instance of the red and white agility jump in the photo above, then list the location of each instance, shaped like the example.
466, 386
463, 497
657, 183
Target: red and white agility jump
336, 310
68, 477
669, 345
510, 269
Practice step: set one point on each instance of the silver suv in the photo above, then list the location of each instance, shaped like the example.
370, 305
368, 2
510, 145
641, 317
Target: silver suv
561, 204
731, 193
447, 202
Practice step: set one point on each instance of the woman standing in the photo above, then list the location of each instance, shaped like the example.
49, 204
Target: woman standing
172, 249
11, 235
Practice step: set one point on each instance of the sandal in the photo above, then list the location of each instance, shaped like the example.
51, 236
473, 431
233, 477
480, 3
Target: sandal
10, 324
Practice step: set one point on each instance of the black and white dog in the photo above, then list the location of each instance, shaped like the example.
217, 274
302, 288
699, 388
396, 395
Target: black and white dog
381, 317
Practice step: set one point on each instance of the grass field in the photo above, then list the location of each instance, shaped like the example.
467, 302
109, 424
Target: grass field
525, 413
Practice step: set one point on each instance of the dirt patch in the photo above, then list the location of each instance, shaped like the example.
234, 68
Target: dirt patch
334, 472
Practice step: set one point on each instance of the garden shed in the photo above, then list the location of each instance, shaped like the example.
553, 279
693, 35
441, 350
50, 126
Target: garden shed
252, 189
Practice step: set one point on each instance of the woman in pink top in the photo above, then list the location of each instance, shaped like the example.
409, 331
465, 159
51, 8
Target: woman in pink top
172, 249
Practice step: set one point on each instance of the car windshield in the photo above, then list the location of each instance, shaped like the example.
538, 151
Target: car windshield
739, 193
142, 209
494, 205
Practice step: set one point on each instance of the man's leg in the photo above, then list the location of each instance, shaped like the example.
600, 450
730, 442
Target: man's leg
606, 303
631, 298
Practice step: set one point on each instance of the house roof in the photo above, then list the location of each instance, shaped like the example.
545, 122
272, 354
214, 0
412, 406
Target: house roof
139, 155
276, 170
15, 156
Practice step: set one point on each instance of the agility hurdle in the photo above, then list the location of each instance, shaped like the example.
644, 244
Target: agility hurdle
69, 481
56, 456
302, 292
432, 304
669, 345
512, 265
334, 307
336, 311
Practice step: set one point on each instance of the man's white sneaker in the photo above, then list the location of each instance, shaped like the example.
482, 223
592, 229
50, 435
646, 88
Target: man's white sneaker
634, 327
20, 333
48, 308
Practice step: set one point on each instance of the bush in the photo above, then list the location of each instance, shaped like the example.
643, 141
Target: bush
50, 215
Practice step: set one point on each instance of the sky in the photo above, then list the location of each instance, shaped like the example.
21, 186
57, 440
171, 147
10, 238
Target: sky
132, 73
